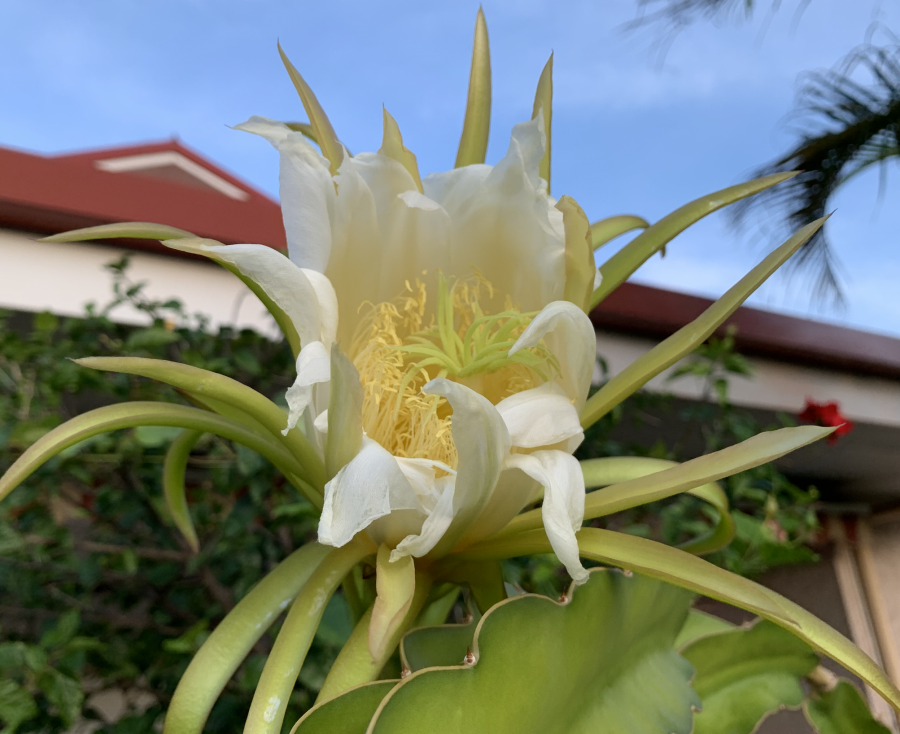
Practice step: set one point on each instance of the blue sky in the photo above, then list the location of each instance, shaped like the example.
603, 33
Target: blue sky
631, 135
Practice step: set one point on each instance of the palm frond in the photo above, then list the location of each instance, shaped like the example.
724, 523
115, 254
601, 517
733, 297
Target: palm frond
847, 120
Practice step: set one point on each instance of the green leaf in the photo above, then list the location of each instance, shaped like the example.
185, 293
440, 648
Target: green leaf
689, 337
440, 646
606, 230
686, 570
602, 661
64, 693
64, 630
842, 711
744, 674
477, 123
543, 104
657, 485
228, 645
348, 713
131, 415
124, 230
322, 129
620, 266
207, 388
173, 485
155, 336
16, 705
699, 624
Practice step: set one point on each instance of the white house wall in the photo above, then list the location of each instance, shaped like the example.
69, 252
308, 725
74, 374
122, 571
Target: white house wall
773, 386
64, 277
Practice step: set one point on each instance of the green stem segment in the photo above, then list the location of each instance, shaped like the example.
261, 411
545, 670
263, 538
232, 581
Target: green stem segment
289, 651
228, 645
690, 572
355, 664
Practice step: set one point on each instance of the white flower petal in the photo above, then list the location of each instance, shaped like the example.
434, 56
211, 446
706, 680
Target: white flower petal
313, 367
563, 508
305, 296
569, 335
321, 422
505, 224
435, 525
370, 487
542, 416
307, 193
421, 476
482, 444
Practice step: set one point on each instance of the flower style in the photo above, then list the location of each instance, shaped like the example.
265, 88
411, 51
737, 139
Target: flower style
457, 402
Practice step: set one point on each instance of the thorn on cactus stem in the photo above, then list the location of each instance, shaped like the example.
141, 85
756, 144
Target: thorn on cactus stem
405, 672
563, 598
469, 659
628, 574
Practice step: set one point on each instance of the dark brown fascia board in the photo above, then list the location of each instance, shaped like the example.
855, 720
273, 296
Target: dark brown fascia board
643, 310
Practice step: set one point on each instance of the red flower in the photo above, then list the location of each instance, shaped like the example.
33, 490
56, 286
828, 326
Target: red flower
826, 414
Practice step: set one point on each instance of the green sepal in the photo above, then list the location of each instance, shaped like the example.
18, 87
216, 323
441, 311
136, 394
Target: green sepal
121, 230
745, 674
279, 675
209, 387
477, 123
173, 485
543, 105
348, 713
345, 403
688, 338
130, 415
606, 230
620, 266
611, 642
200, 247
323, 131
842, 710
653, 481
225, 649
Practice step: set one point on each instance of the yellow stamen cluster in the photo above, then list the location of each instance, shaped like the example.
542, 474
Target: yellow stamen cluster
396, 353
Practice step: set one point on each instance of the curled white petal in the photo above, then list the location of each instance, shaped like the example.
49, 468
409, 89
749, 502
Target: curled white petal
436, 523
542, 416
563, 508
568, 333
321, 422
369, 487
313, 367
307, 192
482, 443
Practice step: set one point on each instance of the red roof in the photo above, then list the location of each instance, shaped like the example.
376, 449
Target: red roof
658, 313
168, 183
165, 183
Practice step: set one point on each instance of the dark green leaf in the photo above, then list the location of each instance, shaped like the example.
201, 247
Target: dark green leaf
842, 711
